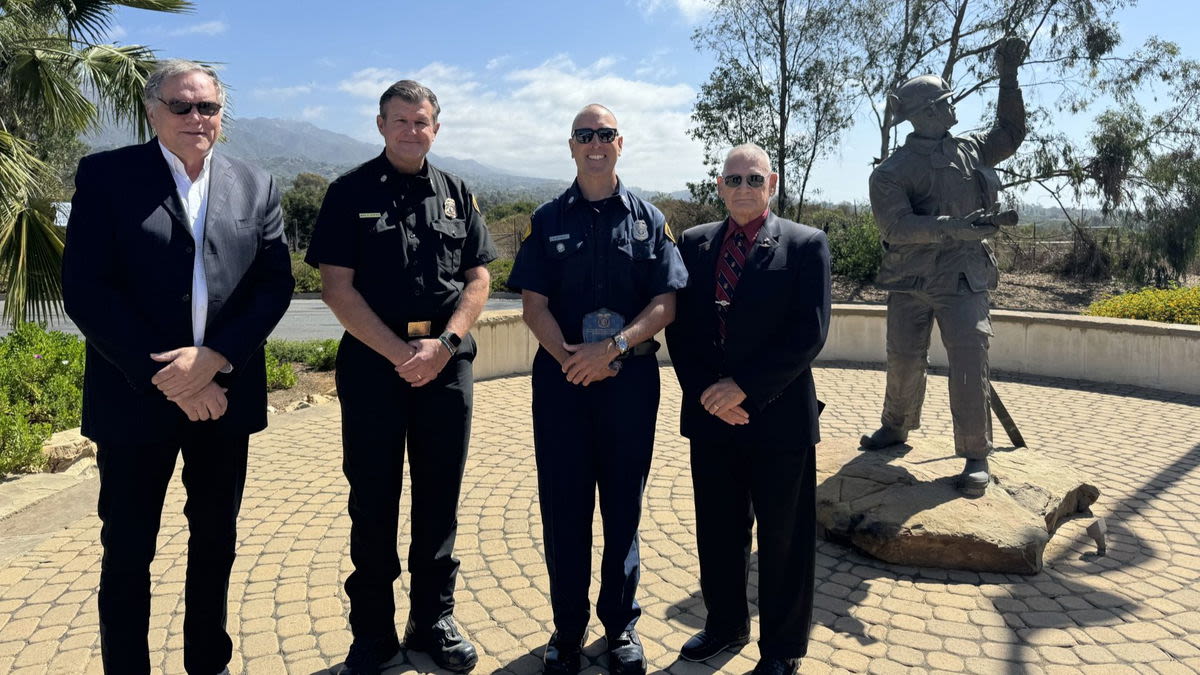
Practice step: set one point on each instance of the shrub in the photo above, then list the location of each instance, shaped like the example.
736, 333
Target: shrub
308, 278
1170, 305
280, 374
41, 391
854, 248
500, 268
316, 354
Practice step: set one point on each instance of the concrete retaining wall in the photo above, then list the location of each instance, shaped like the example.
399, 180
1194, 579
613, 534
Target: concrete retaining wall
1121, 351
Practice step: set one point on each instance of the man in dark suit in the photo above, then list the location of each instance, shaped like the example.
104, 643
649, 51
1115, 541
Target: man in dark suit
175, 270
747, 328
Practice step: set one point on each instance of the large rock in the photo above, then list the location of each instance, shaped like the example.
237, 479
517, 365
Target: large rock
901, 505
65, 448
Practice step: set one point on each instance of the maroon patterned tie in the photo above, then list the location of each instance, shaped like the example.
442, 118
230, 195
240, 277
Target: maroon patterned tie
730, 264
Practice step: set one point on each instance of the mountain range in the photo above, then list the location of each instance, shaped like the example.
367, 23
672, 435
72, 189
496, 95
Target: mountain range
287, 147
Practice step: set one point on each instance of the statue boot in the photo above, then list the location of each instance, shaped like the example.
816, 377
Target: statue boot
883, 437
974, 479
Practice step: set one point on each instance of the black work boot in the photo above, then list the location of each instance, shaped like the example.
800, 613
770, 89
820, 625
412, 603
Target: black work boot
563, 655
974, 479
883, 437
442, 641
367, 655
625, 654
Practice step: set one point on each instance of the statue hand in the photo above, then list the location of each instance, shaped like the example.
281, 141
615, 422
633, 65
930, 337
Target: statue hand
966, 229
1010, 54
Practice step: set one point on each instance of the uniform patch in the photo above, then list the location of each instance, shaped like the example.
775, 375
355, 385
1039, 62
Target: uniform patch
560, 237
528, 231
475, 205
667, 231
370, 215
640, 231
450, 210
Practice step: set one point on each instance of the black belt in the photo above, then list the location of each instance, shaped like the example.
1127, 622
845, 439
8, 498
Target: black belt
641, 349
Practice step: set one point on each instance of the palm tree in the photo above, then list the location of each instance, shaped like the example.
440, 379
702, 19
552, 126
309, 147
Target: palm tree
57, 78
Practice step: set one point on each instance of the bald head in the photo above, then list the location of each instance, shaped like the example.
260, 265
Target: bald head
591, 111
751, 154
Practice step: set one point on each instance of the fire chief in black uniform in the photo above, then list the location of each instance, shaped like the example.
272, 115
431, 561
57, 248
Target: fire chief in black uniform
750, 323
598, 272
401, 247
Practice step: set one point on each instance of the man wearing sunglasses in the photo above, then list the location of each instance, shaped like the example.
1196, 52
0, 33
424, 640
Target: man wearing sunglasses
749, 326
175, 270
598, 272
933, 200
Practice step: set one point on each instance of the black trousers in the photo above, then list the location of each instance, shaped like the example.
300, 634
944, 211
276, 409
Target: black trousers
133, 484
599, 436
382, 419
735, 483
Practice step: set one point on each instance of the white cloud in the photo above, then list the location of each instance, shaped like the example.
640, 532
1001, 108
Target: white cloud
116, 32
694, 11
495, 63
655, 66
519, 120
313, 112
283, 93
206, 28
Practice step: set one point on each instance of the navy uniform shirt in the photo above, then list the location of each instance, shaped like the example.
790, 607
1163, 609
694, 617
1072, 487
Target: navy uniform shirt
615, 253
408, 238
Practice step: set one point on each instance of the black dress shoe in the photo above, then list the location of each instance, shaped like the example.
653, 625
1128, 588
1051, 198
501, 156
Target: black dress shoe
562, 656
442, 641
625, 655
367, 655
773, 665
704, 645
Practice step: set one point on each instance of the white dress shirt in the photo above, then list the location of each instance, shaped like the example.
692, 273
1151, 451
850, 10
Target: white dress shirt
194, 194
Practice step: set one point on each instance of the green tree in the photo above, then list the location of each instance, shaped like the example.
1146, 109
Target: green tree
57, 77
301, 204
780, 83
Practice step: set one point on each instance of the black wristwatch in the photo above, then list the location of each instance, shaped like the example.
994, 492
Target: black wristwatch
450, 341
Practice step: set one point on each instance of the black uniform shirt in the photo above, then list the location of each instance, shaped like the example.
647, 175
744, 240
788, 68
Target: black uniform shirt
408, 238
616, 253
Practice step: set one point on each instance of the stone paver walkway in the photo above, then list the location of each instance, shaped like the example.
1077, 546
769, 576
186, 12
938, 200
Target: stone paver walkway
1136, 610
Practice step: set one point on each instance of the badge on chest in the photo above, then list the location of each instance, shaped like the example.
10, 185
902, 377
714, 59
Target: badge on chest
601, 325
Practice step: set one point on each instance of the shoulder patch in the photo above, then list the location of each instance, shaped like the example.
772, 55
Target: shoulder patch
667, 231
475, 205
528, 230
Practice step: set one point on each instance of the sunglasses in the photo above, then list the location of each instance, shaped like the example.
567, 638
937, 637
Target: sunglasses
753, 180
205, 108
584, 136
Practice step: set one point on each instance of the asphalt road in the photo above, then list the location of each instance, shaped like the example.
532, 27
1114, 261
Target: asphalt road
306, 319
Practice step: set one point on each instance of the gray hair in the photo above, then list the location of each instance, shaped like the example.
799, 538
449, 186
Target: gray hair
169, 68
410, 91
751, 150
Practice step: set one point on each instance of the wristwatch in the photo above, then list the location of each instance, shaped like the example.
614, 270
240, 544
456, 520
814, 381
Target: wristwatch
621, 342
450, 341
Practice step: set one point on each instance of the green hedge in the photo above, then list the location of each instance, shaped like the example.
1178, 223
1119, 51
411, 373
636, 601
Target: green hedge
854, 248
1169, 305
316, 354
41, 391
308, 279
499, 269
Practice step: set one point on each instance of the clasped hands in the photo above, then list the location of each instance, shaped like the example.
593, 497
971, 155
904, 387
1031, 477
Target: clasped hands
424, 362
589, 362
187, 381
724, 399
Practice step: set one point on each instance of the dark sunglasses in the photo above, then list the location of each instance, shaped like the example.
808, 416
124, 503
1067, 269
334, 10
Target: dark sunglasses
205, 108
584, 136
753, 180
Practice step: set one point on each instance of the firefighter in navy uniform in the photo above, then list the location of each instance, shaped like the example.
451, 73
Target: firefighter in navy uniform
401, 247
598, 273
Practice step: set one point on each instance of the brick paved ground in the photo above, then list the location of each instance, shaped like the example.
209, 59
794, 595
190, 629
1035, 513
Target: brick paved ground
1135, 610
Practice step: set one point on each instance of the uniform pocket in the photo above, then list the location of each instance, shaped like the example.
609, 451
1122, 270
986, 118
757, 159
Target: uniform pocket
453, 234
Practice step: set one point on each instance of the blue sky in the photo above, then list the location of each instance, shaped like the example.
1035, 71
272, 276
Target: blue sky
510, 75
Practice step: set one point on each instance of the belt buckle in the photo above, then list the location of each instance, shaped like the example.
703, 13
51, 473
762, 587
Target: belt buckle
419, 329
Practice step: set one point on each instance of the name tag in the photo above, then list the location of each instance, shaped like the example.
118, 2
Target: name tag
560, 237
370, 215
419, 329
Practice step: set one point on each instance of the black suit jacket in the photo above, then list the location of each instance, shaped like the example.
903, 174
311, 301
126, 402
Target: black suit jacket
127, 282
776, 326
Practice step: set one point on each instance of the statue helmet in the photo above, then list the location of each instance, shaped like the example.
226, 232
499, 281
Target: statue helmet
917, 93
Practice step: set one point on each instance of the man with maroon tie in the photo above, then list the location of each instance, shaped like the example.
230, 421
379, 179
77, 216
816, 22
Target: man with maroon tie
748, 326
